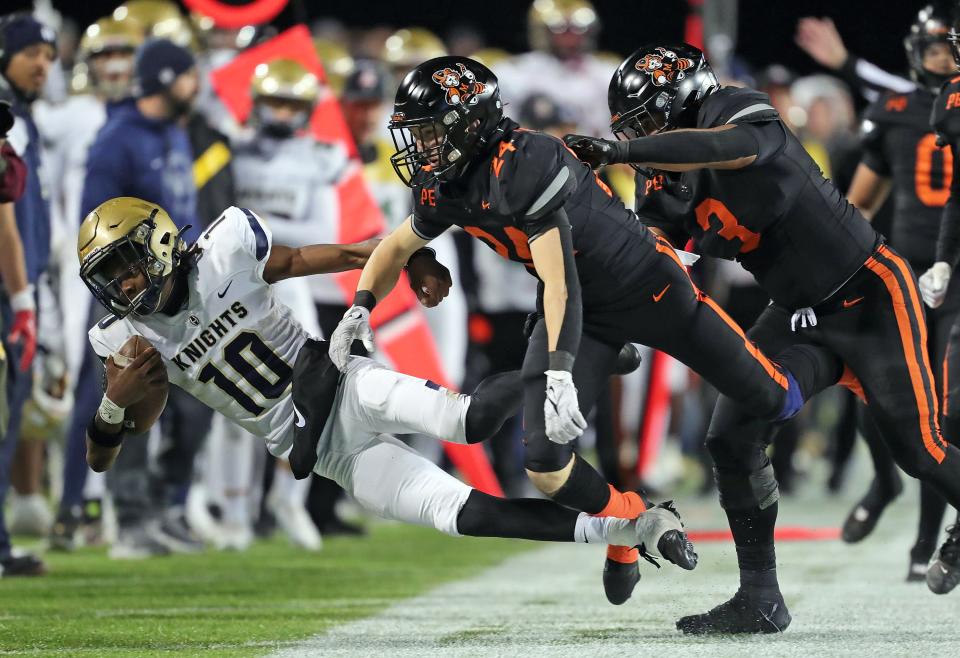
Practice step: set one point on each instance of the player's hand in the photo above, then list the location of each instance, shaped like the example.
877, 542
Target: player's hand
595, 151
355, 325
818, 37
24, 330
429, 279
933, 284
561, 411
145, 376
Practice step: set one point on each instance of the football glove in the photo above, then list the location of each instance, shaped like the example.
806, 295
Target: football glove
561, 411
933, 284
355, 325
594, 151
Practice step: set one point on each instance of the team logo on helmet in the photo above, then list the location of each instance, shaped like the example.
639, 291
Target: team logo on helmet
461, 86
664, 67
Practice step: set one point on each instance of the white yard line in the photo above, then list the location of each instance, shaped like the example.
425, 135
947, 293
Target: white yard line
846, 601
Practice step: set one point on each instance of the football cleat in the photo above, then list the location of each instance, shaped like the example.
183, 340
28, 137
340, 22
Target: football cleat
944, 571
137, 543
23, 564
620, 577
917, 572
660, 534
864, 516
65, 530
741, 614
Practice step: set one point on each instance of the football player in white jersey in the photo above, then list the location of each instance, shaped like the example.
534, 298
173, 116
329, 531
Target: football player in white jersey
218, 332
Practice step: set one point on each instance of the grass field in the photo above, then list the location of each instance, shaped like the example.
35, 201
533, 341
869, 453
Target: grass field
413, 592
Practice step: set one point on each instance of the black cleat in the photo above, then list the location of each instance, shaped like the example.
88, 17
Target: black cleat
619, 579
673, 545
864, 516
917, 572
22, 565
628, 360
944, 572
741, 614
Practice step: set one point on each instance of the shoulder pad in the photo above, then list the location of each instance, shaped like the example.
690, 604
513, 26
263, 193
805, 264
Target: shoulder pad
946, 110
735, 105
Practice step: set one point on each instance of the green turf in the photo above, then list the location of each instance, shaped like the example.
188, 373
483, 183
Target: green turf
226, 604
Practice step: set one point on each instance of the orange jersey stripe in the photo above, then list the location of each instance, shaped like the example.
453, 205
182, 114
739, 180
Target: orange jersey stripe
906, 338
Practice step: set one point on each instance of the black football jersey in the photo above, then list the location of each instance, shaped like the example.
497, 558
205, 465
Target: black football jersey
945, 120
779, 217
899, 144
505, 197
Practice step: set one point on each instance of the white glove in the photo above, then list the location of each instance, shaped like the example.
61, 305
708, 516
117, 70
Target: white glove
561, 411
933, 284
355, 325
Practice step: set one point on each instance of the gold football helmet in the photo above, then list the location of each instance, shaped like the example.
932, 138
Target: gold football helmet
107, 35
336, 60
283, 80
558, 16
128, 237
406, 48
161, 19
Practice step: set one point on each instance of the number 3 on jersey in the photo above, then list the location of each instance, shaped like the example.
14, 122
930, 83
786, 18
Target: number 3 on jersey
257, 366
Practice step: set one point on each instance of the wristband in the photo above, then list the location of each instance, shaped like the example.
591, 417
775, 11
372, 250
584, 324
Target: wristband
101, 438
422, 251
560, 360
110, 412
23, 300
364, 298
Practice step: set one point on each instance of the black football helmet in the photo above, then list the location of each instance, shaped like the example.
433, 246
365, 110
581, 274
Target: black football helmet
444, 114
932, 25
659, 88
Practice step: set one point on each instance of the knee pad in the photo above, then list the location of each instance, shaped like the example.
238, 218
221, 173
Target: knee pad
543, 455
739, 490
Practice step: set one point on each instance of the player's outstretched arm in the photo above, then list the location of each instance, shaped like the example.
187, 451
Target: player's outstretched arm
287, 262
729, 146
143, 379
378, 278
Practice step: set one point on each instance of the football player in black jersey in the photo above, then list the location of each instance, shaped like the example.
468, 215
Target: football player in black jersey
605, 279
901, 157
729, 174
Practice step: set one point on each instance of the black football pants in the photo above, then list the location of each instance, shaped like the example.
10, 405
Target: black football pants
875, 325
667, 313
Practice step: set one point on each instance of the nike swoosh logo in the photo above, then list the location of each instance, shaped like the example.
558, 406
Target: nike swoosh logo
221, 294
847, 303
298, 419
663, 292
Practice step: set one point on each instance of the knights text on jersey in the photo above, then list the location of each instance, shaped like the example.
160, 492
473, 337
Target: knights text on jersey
786, 224
505, 198
900, 145
233, 345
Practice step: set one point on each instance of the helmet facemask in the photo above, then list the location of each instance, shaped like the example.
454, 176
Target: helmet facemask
641, 121
439, 147
105, 271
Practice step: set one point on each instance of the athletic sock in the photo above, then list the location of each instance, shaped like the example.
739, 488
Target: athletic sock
604, 530
624, 505
756, 555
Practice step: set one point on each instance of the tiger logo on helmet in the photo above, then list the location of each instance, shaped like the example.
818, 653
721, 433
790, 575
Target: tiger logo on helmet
461, 86
664, 67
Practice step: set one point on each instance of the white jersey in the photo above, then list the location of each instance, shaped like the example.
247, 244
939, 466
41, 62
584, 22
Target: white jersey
580, 84
233, 345
292, 183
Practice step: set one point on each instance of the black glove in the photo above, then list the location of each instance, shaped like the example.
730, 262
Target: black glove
594, 151
6, 119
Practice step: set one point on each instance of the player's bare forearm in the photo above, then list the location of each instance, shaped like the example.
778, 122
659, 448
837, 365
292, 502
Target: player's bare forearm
288, 262
100, 457
385, 264
562, 310
868, 191
13, 269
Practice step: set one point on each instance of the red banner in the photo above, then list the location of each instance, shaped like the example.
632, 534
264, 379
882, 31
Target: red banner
254, 12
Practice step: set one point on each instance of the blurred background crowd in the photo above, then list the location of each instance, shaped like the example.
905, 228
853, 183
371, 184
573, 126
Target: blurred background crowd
285, 111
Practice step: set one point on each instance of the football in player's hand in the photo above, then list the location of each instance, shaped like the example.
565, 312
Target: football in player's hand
140, 416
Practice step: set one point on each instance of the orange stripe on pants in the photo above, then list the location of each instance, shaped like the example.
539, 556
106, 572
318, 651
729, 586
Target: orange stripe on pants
909, 351
664, 248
